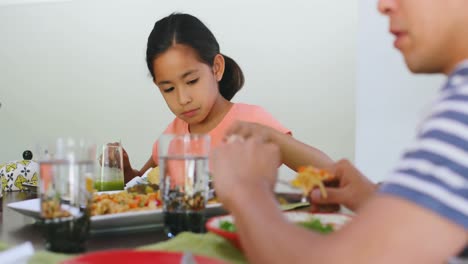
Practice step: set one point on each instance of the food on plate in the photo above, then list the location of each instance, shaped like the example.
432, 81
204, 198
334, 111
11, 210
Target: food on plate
153, 175
309, 177
312, 224
317, 225
213, 200
144, 188
142, 197
179, 201
137, 198
50, 208
227, 226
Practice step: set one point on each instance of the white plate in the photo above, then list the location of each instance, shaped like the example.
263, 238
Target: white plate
338, 220
128, 219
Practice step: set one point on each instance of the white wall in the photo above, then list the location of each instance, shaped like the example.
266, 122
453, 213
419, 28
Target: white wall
389, 100
22, 2
78, 68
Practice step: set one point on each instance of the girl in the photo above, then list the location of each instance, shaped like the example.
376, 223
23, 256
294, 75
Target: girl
197, 83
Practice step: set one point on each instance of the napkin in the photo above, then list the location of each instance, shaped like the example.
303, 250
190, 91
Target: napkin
17, 255
135, 181
47, 257
143, 179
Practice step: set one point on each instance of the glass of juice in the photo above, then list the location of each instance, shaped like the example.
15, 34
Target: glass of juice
65, 191
184, 170
111, 175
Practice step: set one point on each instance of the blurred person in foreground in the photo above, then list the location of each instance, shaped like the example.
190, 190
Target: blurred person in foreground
419, 215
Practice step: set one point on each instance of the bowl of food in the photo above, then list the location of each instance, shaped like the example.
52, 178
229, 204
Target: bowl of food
323, 223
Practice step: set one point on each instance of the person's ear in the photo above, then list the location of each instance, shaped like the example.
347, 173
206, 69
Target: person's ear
218, 67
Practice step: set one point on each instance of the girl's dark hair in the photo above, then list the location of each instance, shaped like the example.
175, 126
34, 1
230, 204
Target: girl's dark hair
188, 30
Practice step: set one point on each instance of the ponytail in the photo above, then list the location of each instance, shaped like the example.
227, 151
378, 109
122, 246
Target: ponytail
233, 79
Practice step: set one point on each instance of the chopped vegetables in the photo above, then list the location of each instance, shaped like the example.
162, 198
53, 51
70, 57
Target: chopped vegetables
51, 209
316, 225
313, 224
144, 188
153, 175
227, 226
144, 197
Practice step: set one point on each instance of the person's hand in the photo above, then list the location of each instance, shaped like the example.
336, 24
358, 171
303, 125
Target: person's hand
113, 155
247, 130
126, 160
353, 191
110, 156
243, 166
129, 172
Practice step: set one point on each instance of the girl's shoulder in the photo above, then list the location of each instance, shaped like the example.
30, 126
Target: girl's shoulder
248, 109
257, 114
177, 126
251, 113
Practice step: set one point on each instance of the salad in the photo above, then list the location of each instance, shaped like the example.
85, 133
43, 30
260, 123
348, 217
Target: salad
313, 224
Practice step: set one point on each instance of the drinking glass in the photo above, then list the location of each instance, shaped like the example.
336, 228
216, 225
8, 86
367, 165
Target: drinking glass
184, 170
111, 175
65, 191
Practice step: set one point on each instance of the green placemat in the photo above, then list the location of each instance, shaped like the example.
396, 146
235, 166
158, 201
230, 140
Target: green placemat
3, 245
208, 244
47, 257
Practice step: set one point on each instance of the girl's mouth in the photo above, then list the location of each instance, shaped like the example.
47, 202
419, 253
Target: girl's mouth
190, 113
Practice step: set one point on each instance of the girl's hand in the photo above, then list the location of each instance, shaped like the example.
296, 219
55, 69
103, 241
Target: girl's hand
110, 156
126, 160
129, 172
353, 191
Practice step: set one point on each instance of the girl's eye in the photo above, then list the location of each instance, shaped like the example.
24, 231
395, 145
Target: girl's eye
168, 90
194, 81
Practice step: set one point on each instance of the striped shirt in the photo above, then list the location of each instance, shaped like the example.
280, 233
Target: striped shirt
433, 172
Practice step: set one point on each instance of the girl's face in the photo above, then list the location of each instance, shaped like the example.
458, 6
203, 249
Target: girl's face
189, 86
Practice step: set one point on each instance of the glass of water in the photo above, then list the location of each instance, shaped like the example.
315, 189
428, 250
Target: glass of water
66, 173
184, 170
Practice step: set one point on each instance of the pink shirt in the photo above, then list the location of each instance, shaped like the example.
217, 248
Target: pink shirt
238, 112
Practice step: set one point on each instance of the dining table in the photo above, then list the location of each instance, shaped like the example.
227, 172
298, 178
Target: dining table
17, 228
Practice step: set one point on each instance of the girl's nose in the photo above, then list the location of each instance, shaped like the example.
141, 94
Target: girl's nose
184, 97
387, 6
